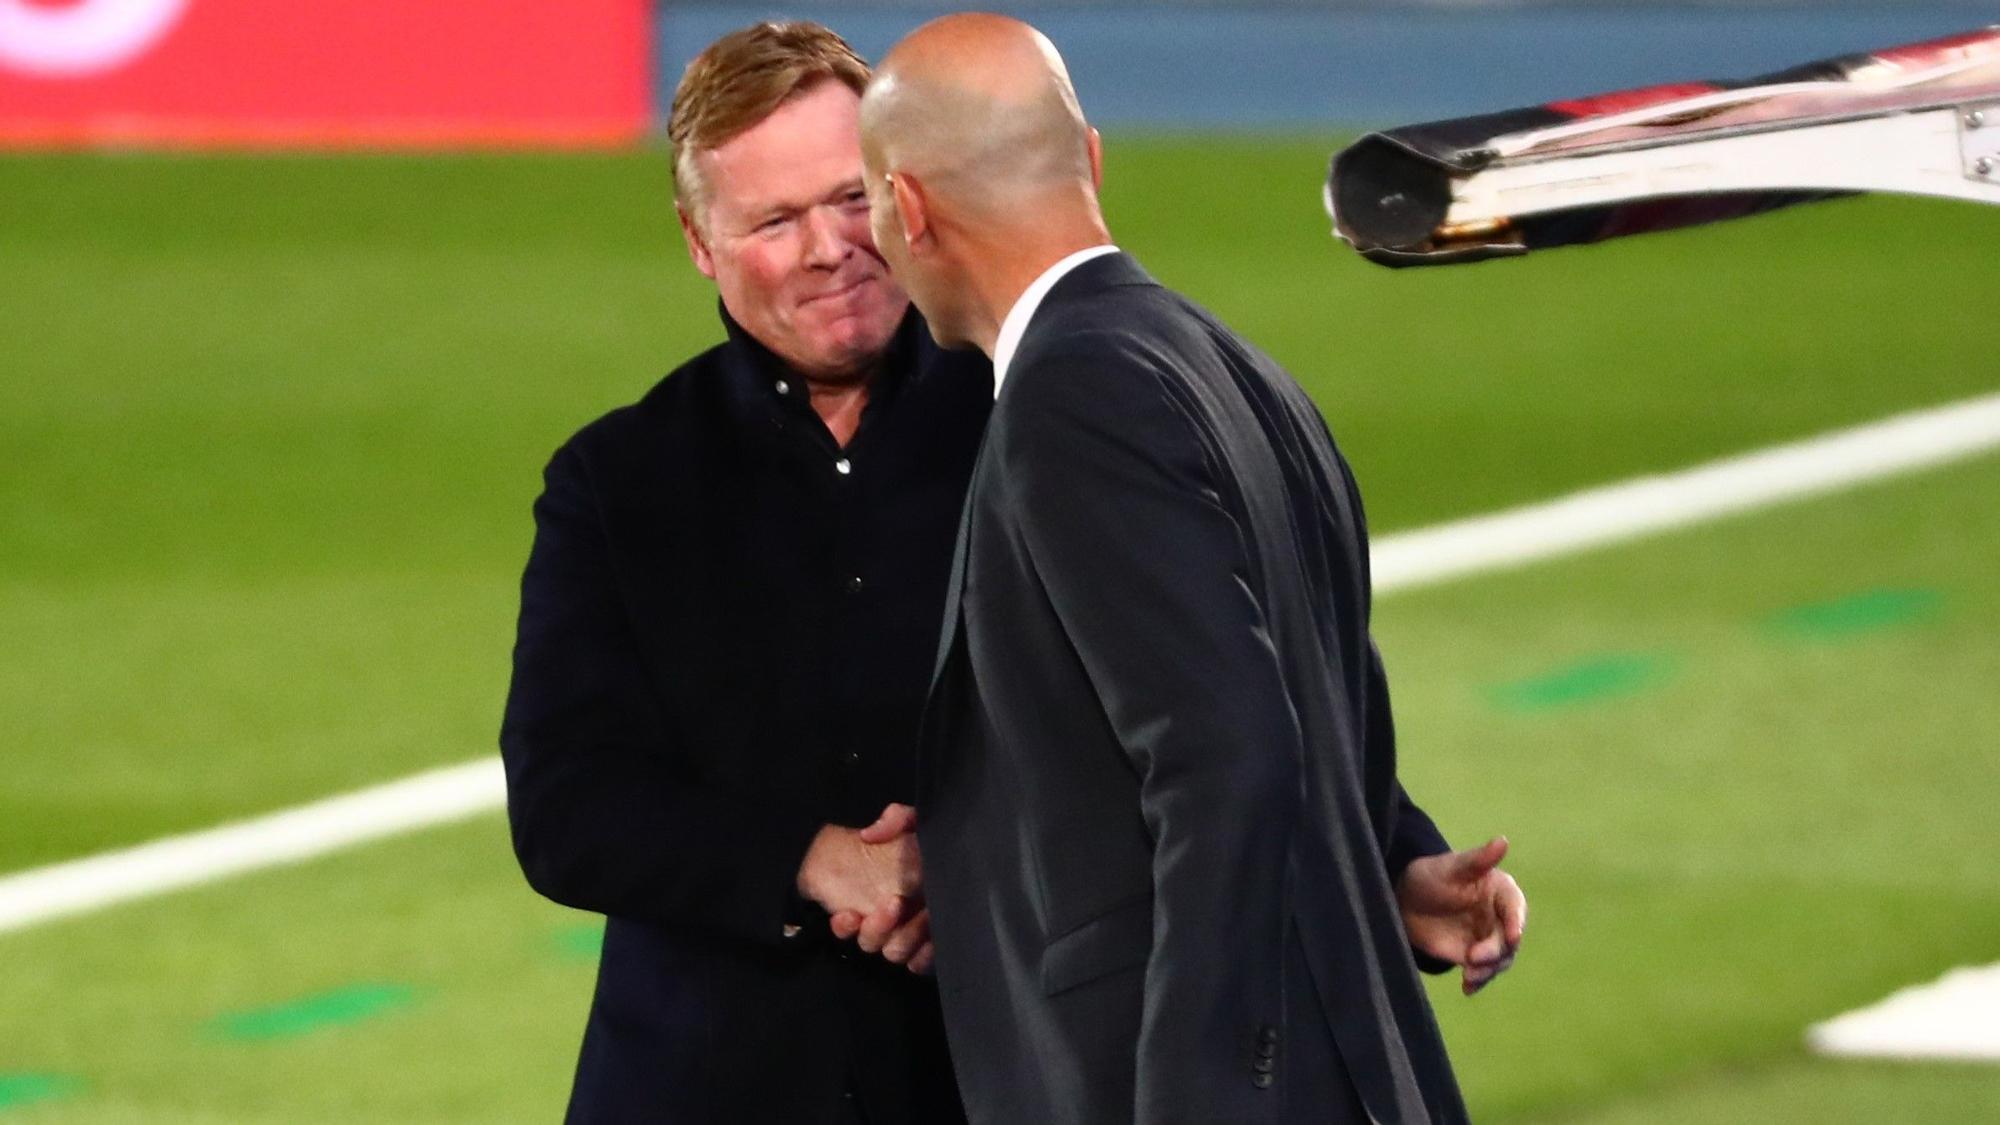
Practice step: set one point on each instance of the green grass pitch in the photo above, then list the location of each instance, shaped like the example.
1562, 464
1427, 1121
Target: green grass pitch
270, 426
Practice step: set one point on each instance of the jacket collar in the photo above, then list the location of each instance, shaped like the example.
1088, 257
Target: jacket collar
1015, 323
754, 373
1083, 280
1098, 274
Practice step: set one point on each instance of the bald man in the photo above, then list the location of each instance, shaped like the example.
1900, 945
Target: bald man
1171, 873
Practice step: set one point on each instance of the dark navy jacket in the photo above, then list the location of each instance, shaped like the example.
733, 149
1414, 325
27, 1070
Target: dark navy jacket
727, 626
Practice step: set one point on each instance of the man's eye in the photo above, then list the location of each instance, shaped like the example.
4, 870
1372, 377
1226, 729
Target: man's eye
771, 225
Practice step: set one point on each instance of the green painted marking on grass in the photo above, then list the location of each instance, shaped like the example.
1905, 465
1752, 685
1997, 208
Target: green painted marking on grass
581, 943
30, 1089
1866, 612
316, 1013
1587, 681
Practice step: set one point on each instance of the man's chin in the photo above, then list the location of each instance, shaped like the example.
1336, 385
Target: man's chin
853, 356
864, 333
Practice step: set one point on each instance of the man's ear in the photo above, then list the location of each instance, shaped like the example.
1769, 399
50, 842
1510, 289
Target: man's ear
1095, 144
912, 209
697, 245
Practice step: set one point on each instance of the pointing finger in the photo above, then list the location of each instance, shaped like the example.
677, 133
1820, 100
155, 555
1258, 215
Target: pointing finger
1475, 862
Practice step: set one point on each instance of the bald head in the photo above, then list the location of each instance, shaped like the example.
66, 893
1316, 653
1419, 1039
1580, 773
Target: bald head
980, 170
981, 108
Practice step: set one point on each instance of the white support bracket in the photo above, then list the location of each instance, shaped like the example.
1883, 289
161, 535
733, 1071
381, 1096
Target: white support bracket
1979, 141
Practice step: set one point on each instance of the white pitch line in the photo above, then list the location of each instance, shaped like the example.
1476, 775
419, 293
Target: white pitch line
1644, 506
423, 800
1569, 525
1955, 1017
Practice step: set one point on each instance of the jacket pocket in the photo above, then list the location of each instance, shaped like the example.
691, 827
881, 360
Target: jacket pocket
1119, 938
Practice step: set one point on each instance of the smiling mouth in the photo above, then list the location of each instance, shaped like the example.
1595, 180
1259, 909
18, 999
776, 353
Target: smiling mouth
836, 294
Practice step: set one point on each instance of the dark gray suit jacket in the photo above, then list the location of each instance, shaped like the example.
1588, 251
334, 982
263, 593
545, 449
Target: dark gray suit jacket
1158, 799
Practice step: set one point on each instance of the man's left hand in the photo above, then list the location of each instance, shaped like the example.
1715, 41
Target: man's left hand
1460, 907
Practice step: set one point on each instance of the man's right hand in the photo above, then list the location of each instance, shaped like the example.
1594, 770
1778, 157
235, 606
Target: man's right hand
872, 873
899, 930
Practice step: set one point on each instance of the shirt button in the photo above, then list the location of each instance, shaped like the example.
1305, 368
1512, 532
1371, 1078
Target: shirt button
851, 758
854, 584
784, 388
843, 466
1262, 1081
791, 931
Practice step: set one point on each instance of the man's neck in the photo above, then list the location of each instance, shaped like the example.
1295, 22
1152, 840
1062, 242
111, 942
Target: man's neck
839, 405
1011, 263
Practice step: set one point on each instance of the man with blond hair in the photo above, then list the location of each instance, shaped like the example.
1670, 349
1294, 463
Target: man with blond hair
727, 625
1173, 876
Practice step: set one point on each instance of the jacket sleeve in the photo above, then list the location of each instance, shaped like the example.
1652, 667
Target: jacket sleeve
1148, 575
1415, 836
604, 812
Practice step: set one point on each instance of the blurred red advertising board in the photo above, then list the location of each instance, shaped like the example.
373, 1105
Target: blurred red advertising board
340, 73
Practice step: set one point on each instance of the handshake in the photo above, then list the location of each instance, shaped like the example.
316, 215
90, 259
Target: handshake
870, 882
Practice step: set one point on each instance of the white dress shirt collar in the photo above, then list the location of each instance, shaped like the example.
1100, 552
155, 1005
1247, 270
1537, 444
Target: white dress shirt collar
1024, 308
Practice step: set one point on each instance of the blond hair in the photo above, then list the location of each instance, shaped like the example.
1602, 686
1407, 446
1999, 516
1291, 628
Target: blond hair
739, 79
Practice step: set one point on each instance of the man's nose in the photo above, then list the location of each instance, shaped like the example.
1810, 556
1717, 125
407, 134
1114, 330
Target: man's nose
827, 239
827, 244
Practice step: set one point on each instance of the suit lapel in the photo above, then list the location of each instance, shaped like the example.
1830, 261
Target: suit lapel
948, 640
954, 590
954, 595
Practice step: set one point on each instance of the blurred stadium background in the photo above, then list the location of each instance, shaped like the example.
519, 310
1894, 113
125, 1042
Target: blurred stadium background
271, 420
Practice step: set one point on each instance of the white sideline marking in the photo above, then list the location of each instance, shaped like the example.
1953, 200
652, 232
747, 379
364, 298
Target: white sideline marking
1648, 505
1955, 1017
1568, 525
290, 836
